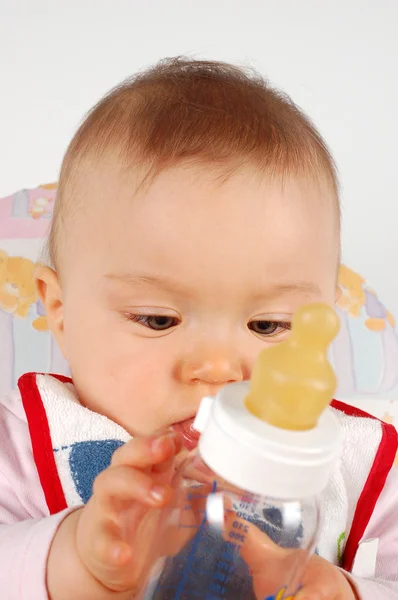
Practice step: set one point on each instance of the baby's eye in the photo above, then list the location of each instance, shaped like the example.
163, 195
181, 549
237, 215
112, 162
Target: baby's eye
269, 328
155, 322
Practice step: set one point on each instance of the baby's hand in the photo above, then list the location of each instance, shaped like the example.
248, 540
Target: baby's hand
324, 581
114, 536
269, 564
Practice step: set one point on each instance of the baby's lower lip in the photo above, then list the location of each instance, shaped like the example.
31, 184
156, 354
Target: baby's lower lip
189, 434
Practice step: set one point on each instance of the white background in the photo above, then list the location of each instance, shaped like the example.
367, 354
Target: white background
338, 59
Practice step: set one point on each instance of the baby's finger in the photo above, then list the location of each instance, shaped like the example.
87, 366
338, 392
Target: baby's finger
146, 452
165, 466
120, 485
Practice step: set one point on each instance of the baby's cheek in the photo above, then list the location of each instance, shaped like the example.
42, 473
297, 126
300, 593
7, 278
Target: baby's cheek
123, 376
139, 385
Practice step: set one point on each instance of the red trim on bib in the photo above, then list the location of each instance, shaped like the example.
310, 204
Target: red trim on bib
41, 441
351, 411
374, 485
375, 482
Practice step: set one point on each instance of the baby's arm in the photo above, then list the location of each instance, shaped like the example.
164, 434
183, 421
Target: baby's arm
384, 526
26, 530
24, 548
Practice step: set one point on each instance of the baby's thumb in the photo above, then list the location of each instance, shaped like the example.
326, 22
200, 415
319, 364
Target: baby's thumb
323, 581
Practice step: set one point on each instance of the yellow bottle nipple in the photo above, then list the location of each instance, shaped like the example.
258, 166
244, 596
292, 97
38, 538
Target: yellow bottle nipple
293, 382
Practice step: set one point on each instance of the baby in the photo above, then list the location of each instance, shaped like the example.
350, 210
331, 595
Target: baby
197, 210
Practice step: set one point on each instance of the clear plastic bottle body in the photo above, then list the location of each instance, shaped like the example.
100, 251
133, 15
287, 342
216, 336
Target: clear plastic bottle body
220, 542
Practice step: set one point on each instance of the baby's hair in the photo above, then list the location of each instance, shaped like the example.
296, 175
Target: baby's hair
198, 112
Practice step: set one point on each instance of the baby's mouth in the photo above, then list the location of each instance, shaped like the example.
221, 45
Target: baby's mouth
189, 434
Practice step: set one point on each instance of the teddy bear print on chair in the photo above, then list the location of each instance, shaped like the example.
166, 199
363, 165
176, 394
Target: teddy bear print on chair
367, 337
365, 353
25, 342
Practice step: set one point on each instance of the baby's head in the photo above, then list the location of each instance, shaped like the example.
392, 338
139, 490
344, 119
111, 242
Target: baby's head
197, 210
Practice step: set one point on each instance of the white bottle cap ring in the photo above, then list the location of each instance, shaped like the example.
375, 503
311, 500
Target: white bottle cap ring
261, 458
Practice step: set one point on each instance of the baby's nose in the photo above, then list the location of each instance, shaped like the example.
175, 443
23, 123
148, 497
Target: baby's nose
212, 368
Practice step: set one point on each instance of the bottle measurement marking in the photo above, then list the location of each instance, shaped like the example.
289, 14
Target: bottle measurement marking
189, 507
218, 585
193, 550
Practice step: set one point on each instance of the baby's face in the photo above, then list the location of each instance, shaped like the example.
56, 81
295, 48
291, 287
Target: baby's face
169, 294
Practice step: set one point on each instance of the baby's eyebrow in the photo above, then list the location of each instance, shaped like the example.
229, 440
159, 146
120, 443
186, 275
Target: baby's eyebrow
307, 288
147, 279
294, 287
274, 291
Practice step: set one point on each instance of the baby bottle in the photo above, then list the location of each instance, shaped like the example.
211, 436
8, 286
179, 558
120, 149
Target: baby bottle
247, 507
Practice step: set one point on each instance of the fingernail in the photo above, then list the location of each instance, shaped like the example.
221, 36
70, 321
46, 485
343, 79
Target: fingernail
157, 493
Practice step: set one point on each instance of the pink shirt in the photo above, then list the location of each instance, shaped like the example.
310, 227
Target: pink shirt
26, 529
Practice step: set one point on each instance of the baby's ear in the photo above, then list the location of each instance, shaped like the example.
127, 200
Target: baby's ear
50, 293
